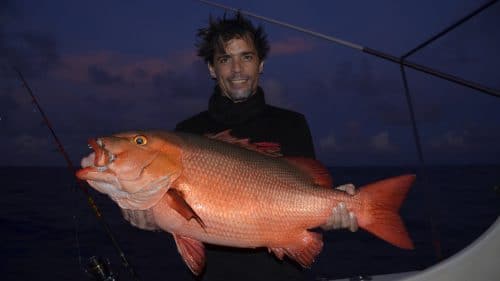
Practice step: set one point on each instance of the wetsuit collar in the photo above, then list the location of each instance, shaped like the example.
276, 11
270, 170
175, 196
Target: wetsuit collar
225, 111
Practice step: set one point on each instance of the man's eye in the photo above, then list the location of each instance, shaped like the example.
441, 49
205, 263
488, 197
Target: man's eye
223, 60
247, 57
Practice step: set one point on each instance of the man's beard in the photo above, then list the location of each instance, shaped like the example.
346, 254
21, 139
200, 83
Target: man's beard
240, 96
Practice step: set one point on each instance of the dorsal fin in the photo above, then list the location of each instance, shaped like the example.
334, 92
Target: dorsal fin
266, 148
317, 171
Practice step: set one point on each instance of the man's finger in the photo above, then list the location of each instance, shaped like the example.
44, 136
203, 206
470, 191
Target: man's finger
348, 188
344, 215
336, 218
353, 222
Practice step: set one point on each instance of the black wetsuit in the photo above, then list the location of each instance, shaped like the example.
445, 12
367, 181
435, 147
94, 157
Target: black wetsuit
260, 122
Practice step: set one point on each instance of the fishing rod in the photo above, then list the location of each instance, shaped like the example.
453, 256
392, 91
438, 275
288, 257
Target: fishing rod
373, 52
97, 267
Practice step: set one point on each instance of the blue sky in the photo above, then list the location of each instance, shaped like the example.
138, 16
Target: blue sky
100, 67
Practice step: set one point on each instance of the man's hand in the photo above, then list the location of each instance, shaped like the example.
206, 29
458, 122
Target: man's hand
341, 217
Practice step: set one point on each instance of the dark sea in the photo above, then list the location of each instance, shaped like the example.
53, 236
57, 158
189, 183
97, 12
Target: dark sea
48, 232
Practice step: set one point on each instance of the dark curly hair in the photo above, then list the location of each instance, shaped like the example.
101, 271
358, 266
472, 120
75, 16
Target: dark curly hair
219, 31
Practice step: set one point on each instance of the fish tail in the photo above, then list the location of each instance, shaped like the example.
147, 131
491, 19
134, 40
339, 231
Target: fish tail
382, 200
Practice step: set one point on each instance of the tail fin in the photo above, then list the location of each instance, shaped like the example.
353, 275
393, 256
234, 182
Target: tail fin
382, 200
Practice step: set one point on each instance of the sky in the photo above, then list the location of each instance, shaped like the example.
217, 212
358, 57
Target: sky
101, 67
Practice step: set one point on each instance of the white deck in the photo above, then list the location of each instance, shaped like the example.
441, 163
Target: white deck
479, 261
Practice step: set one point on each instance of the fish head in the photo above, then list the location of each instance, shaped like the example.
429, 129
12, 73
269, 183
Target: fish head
134, 168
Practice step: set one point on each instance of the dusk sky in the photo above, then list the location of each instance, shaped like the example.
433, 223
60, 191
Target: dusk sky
100, 67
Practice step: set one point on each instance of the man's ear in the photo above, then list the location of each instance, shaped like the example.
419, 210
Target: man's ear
211, 70
261, 67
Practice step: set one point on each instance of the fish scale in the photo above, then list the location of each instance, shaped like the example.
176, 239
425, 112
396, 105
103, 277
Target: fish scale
258, 199
229, 192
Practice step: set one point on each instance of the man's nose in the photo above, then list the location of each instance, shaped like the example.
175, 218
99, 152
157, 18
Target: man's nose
236, 66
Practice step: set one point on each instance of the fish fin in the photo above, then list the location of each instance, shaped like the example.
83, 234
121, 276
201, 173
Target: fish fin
306, 249
192, 252
380, 215
318, 172
266, 148
278, 252
175, 200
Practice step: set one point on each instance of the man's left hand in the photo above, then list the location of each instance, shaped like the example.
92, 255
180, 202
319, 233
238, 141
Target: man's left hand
341, 217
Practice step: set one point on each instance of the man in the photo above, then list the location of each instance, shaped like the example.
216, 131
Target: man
235, 51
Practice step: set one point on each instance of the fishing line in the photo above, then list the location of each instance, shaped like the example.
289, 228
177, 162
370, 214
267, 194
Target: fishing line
90, 200
373, 52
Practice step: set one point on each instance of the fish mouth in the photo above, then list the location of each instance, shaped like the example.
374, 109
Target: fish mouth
101, 158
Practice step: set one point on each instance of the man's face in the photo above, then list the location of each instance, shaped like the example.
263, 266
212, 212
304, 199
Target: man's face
237, 70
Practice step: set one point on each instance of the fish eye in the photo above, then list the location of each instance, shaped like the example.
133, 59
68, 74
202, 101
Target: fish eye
140, 140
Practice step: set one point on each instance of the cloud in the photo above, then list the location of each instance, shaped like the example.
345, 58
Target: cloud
112, 68
100, 76
192, 81
7, 102
357, 140
29, 150
290, 46
451, 139
469, 144
29, 143
355, 87
329, 142
359, 147
104, 67
33, 53
275, 93
184, 58
359, 76
126, 92
426, 112
7, 10
381, 142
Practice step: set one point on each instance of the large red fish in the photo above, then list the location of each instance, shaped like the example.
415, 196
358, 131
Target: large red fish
226, 191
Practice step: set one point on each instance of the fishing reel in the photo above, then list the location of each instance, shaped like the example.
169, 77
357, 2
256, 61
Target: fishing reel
100, 269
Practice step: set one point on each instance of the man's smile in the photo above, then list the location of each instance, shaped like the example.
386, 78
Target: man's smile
239, 81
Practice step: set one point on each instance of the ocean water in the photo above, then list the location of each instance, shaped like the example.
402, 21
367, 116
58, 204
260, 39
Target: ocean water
48, 232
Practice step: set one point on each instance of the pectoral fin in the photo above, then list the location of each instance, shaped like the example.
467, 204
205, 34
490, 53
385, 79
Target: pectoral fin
176, 201
192, 252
